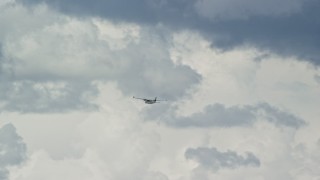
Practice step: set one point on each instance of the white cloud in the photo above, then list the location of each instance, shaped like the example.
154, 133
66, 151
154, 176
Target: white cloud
75, 52
84, 61
41, 166
235, 77
104, 144
286, 27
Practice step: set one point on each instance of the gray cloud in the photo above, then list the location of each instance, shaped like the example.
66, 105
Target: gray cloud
277, 116
220, 116
289, 29
139, 62
217, 115
150, 71
141, 11
12, 149
212, 159
233, 9
51, 93
292, 35
31, 96
317, 78
41, 94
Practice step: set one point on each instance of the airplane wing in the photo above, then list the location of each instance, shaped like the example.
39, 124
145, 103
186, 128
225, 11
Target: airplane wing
162, 100
138, 98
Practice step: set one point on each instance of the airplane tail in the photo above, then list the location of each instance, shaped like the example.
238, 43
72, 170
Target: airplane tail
155, 99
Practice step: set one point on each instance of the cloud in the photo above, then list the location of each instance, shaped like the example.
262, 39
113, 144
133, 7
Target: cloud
50, 96
317, 78
287, 34
46, 94
154, 11
140, 11
278, 117
135, 57
218, 115
212, 159
232, 9
36, 91
155, 176
12, 149
289, 29
100, 53
111, 143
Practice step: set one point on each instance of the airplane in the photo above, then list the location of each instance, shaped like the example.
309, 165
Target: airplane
149, 101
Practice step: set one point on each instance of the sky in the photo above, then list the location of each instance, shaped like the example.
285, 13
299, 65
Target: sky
241, 80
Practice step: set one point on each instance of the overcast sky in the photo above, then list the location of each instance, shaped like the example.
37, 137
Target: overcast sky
241, 77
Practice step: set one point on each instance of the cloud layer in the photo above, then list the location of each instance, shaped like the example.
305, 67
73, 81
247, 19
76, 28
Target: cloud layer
242, 96
133, 56
12, 149
218, 115
290, 28
213, 159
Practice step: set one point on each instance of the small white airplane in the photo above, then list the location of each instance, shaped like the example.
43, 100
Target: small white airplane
149, 101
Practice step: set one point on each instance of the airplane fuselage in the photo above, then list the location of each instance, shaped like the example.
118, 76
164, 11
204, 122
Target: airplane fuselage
149, 101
